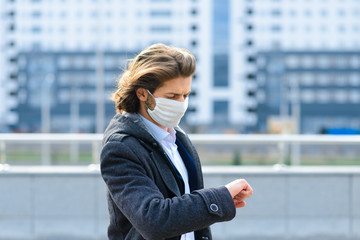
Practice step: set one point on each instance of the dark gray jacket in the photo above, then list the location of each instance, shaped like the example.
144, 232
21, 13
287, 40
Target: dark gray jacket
145, 198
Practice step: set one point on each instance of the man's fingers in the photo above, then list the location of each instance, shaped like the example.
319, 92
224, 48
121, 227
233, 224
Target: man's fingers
239, 204
239, 186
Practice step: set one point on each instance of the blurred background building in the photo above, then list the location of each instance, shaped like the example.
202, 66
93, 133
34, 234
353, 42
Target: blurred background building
261, 63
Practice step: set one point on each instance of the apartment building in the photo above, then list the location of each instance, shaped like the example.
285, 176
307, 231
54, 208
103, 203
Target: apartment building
64, 48
302, 60
241, 47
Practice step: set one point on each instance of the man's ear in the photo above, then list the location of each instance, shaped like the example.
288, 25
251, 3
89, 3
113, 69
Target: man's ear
142, 94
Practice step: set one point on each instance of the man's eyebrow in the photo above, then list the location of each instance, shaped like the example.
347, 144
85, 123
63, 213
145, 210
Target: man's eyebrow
175, 93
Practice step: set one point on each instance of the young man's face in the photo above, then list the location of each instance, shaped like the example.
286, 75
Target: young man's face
176, 89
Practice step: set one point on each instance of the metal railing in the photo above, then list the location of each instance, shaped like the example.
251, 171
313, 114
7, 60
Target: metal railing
282, 142
46, 139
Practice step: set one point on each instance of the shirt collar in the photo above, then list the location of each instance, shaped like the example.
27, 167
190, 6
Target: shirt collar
159, 133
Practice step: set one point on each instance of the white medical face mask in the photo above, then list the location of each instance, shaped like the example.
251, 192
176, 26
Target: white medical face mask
168, 112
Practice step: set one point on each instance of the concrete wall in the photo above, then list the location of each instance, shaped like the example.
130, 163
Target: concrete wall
60, 203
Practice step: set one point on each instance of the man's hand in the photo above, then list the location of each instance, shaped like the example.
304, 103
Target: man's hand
239, 190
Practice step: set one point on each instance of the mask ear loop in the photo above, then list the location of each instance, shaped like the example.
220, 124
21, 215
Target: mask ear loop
147, 100
150, 93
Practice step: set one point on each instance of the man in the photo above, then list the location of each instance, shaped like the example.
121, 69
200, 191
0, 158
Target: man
151, 169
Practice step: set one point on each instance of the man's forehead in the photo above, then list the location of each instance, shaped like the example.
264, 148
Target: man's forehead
179, 85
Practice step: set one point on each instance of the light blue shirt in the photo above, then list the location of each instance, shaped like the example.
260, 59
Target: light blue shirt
167, 140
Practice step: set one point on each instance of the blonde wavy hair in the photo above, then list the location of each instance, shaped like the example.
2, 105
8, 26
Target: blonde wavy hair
150, 69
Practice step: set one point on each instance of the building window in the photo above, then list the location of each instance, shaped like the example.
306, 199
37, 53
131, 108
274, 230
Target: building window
308, 13
36, 46
22, 62
63, 80
79, 14
261, 80
194, 43
250, 76
307, 61
324, 61
354, 79
341, 12
341, 80
160, 28
194, 27
292, 13
341, 61
261, 62
354, 96
323, 96
323, 28
36, 29
276, 12
160, 13
291, 78
36, 14
63, 14
22, 96
64, 62
221, 112
323, 79
276, 44
341, 28
249, 27
110, 79
261, 96
94, 14
194, 12
307, 96
221, 63
251, 59
249, 42
62, 29
22, 79
323, 12
340, 96
307, 79
356, 12
64, 96
308, 28
292, 28
292, 61
249, 11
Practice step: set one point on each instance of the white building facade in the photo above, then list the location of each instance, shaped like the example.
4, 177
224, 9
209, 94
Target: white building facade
84, 26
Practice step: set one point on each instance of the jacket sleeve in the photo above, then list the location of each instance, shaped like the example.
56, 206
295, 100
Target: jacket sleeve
139, 199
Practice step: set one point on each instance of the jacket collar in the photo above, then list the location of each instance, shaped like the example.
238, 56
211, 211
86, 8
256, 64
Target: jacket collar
131, 124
